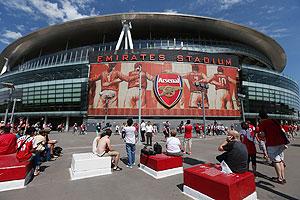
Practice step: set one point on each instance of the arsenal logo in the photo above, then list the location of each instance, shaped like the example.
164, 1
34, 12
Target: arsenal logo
168, 89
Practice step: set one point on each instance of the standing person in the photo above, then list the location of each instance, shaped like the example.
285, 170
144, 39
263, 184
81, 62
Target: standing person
235, 155
130, 140
82, 129
247, 138
180, 127
188, 128
75, 128
98, 129
173, 145
149, 133
197, 130
275, 143
117, 130
143, 131
166, 129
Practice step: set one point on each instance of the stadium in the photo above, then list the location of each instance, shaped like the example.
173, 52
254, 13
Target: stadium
94, 67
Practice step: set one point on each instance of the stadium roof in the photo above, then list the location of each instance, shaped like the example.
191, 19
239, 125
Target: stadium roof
98, 29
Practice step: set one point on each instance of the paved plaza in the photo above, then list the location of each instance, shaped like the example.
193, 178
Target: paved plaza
54, 182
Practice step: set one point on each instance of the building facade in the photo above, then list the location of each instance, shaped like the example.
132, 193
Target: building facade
56, 70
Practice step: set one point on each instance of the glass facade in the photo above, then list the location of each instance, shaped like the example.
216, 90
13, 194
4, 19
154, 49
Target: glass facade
269, 91
59, 82
61, 88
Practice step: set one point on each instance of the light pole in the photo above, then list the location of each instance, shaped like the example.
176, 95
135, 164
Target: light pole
242, 98
106, 98
13, 110
140, 103
11, 87
203, 87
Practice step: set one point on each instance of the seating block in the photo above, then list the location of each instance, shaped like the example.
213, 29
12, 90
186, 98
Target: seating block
14, 174
161, 165
86, 165
208, 182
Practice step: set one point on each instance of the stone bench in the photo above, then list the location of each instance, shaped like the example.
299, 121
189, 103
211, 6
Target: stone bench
86, 165
14, 174
160, 165
207, 182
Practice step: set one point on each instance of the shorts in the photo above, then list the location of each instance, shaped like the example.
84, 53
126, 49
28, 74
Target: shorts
276, 153
111, 153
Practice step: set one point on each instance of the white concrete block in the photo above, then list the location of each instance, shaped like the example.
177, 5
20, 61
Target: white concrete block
161, 174
12, 185
194, 194
86, 165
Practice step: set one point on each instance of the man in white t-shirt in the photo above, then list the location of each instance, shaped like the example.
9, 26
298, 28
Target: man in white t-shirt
173, 145
149, 133
143, 131
130, 140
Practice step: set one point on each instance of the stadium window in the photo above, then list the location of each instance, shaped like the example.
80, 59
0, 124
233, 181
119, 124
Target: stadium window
76, 89
76, 94
37, 101
59, 95
68, 90
67, 99
67, 94
51, 100
59, 86
44, 101
59, 100
51, 96
44, 91
75, 99
60, 91
51, 87
51, 91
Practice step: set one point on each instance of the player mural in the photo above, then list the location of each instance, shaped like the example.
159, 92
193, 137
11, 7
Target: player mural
167, 88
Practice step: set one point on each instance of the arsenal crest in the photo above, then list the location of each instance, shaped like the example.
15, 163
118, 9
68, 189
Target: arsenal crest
168, 89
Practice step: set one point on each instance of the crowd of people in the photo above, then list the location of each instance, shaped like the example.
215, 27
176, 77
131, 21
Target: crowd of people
29, 143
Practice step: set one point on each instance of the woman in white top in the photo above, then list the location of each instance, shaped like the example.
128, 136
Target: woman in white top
173, 145
130, 140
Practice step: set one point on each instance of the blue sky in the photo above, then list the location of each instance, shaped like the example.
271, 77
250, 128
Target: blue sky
278, 19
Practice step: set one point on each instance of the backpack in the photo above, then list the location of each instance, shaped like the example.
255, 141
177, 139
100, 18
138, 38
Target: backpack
148, 151
157, 148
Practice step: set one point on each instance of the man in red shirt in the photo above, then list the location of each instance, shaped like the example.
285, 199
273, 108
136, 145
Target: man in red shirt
188, 128
275, 144
8, 141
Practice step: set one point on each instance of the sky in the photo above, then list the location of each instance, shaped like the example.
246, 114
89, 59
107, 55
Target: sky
278, 19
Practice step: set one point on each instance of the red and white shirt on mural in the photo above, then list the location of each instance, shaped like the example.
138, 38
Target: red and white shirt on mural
134, 79
111, 80
26, 143
194, 77
222, 81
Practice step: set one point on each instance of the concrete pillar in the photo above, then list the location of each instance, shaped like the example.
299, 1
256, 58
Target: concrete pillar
67, 123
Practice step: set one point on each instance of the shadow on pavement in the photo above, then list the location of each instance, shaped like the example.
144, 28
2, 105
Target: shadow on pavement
266, 186
295, 145
180, 187
192, 161
43, 167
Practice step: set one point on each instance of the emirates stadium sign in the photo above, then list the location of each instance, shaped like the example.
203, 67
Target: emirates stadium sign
168, 89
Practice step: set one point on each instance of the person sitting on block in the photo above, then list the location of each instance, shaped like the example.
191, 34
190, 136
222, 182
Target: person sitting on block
173, 145
103, 148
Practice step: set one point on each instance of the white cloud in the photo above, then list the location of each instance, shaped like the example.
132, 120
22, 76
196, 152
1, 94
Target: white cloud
226, 4
55, 12
8, 36
170, 11
11, 35
18, 5
20, 27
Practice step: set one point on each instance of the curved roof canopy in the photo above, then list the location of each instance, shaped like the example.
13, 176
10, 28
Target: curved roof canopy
95, 30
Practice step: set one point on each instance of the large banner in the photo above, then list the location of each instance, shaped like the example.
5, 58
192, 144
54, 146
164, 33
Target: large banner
167, 89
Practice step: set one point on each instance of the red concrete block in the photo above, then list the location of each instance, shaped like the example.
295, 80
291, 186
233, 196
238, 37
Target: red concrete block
161, 162
12, 169
209, 180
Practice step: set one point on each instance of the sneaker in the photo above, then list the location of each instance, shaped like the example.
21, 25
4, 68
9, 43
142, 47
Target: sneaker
133, 164
129, 166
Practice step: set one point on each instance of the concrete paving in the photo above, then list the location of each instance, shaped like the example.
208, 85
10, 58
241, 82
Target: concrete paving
54, 182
